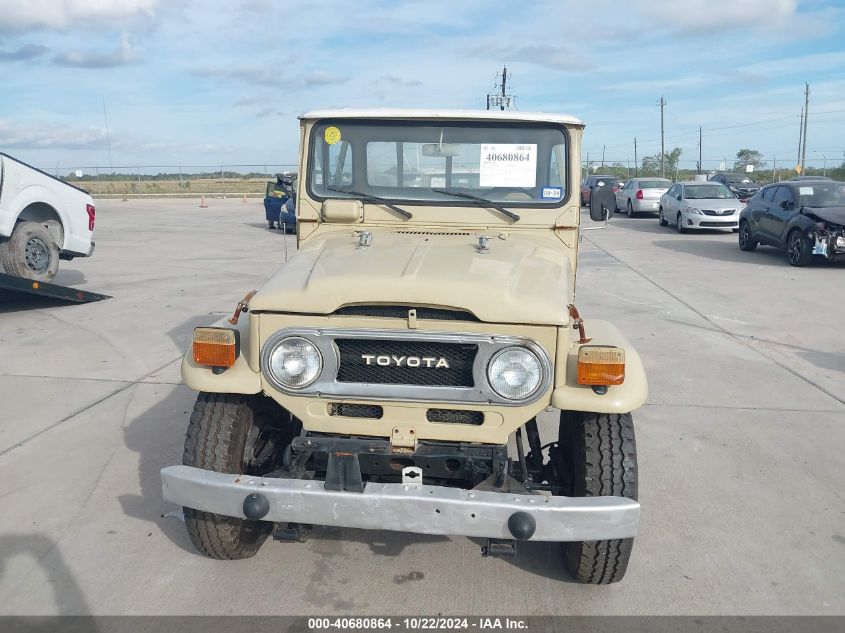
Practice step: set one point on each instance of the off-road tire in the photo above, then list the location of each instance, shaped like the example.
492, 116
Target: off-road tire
220, 437
746, 242
30, 252
660, 219
598, 452
799, 248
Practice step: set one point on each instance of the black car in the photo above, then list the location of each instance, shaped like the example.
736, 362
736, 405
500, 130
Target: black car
591, 183
805, 218
740, 184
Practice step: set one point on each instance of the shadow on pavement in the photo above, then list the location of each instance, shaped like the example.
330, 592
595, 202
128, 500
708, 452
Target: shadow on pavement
67, 595
158, 436
727, 251
380, 542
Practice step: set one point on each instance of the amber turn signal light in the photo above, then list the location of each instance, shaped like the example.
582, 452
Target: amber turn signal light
216, 346
601, 365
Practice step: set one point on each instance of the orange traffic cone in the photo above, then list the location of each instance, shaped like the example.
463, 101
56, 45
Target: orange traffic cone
203, 205
244, 200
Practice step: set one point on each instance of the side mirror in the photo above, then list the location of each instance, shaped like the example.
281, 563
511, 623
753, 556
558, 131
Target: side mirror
602, 201
784, 204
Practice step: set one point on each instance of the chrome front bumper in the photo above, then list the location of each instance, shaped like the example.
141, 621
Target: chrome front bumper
415, 508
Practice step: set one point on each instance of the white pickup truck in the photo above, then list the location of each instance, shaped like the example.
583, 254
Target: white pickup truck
42, 220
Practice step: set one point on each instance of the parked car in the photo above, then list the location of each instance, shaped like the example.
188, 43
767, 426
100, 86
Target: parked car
641, 195
699, 205
805, 218
280, 202
740, 184
811, 178
590, 183
42, 220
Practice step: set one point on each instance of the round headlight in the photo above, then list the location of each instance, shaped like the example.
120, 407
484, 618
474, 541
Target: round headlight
295, 362
515, 373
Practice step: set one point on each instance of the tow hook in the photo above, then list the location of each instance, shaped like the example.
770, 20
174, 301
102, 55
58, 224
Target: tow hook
243, 306
498, 548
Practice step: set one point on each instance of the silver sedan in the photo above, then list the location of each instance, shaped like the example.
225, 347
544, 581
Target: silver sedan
641, 195
700, 205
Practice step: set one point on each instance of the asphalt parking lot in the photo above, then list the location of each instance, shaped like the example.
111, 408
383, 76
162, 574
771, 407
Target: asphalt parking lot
741, 442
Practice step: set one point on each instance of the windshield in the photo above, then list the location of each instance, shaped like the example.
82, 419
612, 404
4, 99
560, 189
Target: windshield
739, 180
828, 194
409, 161
654, 184
710, 191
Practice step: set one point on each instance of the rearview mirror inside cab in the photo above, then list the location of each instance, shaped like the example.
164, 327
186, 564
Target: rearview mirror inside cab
602, 201
441, 150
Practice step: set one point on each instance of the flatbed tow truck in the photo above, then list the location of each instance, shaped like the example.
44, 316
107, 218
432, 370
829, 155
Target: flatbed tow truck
42, 220
11, 284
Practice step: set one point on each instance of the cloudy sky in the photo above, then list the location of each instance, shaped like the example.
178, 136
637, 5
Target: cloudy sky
205, 83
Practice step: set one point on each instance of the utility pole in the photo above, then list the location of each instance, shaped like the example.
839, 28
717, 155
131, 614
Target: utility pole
108, 140
636, 165
800, 136
806, 116
502, 98
700, 168
662, 146
774, 169
504, 83
603, 147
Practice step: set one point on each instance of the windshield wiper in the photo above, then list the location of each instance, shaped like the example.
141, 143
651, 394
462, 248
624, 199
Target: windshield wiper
367, 197
487, 203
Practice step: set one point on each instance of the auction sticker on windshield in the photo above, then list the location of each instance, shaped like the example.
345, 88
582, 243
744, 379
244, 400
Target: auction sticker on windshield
332, 135
508, 165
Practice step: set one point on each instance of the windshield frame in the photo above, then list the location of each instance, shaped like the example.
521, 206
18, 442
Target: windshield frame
532, 204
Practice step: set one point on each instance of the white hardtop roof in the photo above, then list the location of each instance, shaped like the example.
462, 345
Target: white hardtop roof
400, 113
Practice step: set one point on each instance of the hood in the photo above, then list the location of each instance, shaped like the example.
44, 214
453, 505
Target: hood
516, 281
835, 215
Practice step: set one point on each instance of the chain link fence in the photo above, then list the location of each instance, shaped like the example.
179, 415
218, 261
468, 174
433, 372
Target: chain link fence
137, 181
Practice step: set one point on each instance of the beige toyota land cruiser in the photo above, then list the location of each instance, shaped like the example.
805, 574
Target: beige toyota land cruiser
390, 374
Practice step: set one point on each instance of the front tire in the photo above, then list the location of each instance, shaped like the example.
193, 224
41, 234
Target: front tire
799, 248
234, 434
746, 242
597, 456
679, 224
660, 218
30, 252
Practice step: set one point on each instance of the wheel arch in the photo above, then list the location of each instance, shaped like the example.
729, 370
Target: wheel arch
36, 203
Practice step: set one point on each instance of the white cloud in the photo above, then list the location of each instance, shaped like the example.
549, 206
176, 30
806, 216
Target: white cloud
708, 16
24, 53
122, 55
21, 16
14, 135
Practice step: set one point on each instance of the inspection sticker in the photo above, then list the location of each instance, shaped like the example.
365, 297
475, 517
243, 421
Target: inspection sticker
332, 135
507, 165
552, 192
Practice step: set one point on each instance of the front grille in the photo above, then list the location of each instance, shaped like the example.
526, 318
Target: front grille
719, 212
401, 312
455, 416
386, 362
347, 410
720, 225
